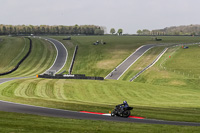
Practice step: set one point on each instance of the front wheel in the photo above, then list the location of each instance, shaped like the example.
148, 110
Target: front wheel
126, 113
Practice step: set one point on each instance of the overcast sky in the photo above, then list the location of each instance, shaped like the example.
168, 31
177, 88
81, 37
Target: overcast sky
130, 15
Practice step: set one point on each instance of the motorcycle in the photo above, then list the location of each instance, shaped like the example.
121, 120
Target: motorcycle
121, 113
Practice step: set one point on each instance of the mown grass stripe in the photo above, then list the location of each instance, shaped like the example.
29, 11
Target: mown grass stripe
41, 88
9, 90
50, 89
59, 90
24, 87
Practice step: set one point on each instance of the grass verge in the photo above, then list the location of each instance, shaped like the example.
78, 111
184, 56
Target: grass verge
40, 59
14, 122
12, 50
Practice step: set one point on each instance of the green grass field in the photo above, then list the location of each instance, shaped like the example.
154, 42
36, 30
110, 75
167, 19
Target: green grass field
169, 90
144, 61
40, 59
20, 123
12, 50
100, 60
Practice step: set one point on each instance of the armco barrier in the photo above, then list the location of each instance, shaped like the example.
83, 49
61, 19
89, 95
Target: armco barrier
76, 76
20, 62
73, 59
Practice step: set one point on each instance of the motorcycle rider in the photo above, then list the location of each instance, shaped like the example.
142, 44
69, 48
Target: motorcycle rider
122, 106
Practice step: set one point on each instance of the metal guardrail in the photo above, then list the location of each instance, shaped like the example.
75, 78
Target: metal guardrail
73, 59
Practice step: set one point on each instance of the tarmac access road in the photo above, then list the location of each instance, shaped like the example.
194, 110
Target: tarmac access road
124, 66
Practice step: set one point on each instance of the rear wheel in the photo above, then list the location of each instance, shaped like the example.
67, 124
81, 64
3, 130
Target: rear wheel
126, 113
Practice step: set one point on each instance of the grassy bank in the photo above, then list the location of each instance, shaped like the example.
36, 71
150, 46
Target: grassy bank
101, 59
40, 59
169, 90
143, 62
182, 69
150, 101
12, 50
14, 122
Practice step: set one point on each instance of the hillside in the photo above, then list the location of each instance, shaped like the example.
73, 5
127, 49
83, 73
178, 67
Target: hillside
179, 30
40, 59
12, 50
158, 93
173, 30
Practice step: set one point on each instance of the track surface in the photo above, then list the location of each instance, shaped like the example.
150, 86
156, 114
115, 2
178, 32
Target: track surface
58, 64
61, 55
21, 108
121, 69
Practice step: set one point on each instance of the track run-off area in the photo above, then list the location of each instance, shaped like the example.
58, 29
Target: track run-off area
58, 64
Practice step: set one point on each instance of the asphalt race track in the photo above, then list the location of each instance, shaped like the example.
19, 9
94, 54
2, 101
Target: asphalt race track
58, 64
61, 57
121, 69
28, 109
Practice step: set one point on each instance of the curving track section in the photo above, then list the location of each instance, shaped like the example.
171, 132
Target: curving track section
58, 64
124, 66
28, 109
61, 57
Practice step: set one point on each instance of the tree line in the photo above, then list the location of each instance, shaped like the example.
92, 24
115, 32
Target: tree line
174, 30
119, 32
52, 30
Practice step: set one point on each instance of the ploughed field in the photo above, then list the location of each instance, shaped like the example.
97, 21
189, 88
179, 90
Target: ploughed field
169, 90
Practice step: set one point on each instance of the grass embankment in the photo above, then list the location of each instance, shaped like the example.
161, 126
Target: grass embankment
165, 94
12, 50
150, 101
141, 63
14, 122
40, 59
100, 60
182, 69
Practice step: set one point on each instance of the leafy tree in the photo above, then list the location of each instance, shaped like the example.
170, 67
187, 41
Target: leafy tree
120, 31
112, 31
98, 32
45, 29
145, 32
139, 32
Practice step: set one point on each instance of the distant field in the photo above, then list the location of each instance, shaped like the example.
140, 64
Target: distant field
182, 69
12, 50
100, 60
41, 58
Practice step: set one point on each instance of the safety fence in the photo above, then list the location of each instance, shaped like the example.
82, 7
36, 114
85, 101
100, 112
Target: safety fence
75, 76
73, 59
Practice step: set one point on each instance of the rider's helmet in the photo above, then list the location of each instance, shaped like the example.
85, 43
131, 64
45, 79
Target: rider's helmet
124, 102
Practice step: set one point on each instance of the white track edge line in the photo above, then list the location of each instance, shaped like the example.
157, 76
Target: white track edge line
66, 53
126, 59
134, 62
55, 58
